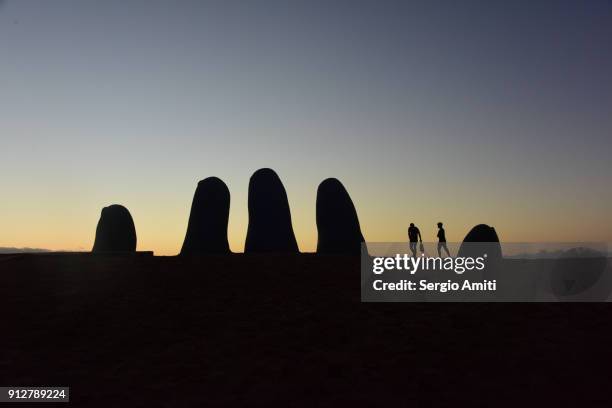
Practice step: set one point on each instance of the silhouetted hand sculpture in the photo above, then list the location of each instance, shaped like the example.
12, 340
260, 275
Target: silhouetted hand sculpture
115, 231
270, 228
207, 228
480, 240
337, 221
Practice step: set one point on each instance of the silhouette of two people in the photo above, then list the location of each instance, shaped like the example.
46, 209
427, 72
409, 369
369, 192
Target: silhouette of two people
414, 236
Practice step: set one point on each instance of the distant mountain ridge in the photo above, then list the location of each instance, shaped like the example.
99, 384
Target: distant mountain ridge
9, 250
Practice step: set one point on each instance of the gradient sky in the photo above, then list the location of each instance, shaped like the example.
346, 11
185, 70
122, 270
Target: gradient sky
464, 112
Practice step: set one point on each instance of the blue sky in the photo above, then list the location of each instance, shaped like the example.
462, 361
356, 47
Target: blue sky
466, 112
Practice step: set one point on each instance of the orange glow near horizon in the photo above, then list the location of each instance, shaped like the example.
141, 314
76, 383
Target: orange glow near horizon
161, 228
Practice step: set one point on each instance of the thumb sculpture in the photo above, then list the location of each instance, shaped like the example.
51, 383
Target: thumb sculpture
115, 231
482, 239
207, 228
337, 221
270, 228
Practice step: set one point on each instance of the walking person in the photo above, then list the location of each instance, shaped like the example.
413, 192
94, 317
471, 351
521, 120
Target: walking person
442, 241
414, 236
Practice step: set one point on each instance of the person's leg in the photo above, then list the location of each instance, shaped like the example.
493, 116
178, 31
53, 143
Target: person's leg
439, 250
446, 249
413, 249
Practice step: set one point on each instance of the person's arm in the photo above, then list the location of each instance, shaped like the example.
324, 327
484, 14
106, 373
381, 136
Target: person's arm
420, 239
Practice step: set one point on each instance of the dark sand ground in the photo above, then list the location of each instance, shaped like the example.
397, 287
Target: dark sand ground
283, 331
